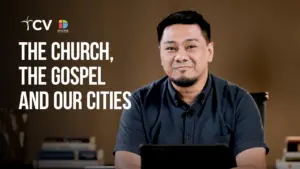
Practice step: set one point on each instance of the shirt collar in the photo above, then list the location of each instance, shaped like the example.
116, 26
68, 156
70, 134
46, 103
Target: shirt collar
201, 96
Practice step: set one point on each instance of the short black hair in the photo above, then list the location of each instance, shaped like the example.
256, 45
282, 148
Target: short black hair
184, 17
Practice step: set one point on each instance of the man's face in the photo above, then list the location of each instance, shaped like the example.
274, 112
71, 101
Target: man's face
185, 53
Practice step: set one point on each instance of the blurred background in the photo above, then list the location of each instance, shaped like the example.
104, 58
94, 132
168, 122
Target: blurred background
256, 47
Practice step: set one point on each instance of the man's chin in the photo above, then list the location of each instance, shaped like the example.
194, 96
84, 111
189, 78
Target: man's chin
184, 81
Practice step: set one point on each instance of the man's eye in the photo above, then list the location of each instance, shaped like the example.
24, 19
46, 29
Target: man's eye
191, 46
171, 48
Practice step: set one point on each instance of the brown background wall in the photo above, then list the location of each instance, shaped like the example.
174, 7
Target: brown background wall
256, 47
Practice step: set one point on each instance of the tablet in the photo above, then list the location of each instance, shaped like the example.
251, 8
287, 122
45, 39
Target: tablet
186, 156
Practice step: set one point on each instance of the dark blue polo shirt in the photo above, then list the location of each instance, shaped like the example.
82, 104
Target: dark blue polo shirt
223, 113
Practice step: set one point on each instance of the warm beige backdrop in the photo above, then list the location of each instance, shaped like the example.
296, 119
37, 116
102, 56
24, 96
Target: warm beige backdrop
256, 46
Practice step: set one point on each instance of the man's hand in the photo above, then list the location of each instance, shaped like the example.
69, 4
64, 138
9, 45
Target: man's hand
253, 158
127, 160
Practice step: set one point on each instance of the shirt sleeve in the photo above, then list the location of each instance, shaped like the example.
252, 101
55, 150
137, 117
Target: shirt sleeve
131, 133
249, 131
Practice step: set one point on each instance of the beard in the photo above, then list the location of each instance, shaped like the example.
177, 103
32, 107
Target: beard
184, 81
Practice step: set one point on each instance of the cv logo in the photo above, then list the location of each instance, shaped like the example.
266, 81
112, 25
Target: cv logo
37, 25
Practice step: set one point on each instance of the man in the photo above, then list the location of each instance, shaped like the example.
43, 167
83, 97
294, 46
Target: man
190, 105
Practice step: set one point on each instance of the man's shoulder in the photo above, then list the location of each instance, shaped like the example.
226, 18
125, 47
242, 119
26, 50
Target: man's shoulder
153, 88
228, 88
233, 97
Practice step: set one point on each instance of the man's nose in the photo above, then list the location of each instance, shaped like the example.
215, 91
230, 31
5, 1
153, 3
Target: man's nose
181, 56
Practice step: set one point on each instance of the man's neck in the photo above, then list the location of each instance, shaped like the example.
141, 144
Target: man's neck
189, 94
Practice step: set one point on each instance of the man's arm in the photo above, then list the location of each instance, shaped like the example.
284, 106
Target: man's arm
253, 158
250, 147
130, 136
127, 160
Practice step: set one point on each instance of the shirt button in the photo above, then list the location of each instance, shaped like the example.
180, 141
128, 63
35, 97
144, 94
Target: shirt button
202, 101
188, 137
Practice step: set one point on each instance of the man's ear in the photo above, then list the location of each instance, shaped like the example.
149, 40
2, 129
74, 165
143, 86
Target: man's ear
161, 63
210, 51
